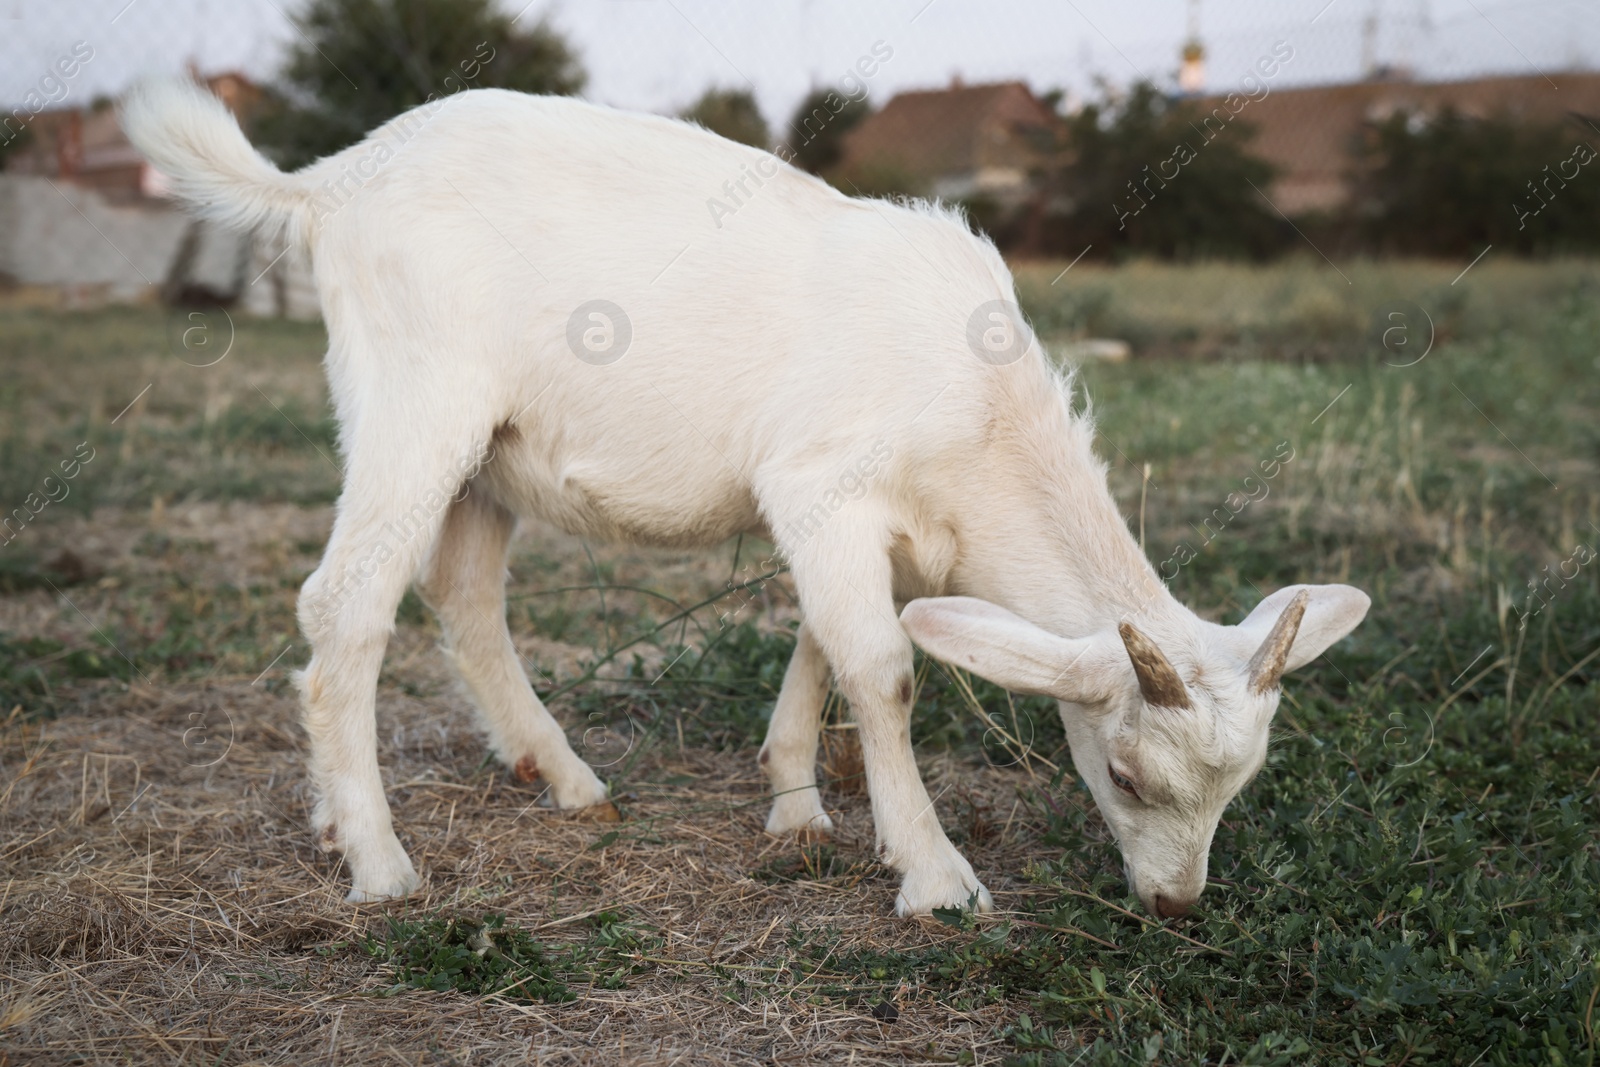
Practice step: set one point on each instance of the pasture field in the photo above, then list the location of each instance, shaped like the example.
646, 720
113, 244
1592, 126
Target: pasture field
1414, 878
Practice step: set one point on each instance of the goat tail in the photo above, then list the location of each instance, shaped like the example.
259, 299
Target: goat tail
195, 142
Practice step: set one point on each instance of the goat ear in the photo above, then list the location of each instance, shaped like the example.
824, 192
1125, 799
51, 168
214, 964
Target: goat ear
1331, 612
1011, 652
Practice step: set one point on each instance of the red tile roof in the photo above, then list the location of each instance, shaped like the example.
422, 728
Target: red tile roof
932, 133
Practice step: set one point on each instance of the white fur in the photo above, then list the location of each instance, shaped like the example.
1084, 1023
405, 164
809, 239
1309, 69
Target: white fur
772, 349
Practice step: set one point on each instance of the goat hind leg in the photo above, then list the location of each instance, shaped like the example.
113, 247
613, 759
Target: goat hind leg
388, 518
464, 584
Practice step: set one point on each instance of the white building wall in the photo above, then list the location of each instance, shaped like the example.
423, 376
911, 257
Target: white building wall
55, 234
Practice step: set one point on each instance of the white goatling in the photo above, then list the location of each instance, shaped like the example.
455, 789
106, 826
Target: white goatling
531, 311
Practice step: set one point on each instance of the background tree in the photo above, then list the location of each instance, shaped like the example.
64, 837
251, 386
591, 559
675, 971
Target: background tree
357, 63
733, 114
1194, 200
14, 142
816, 132
1450, 185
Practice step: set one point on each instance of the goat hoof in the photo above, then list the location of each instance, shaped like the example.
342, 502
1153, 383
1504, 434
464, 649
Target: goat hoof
951, 886
400, 880
395, 891
797, 813
605, 811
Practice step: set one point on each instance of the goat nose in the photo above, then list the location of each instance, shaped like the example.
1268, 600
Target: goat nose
1168, 908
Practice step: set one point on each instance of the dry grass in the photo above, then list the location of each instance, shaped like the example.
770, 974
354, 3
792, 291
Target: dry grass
156, 910
164, 902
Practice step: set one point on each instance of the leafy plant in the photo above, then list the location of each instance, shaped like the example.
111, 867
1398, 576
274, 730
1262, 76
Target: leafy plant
477, 958
486, 957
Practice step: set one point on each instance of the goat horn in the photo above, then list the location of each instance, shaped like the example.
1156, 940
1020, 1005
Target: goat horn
1158, 681
1266, 666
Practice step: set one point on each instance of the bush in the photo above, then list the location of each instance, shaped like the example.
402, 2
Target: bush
1451, 185
731, 113
816, 131
1148, 175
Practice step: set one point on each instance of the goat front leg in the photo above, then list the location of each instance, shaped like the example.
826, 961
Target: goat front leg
789, 754
845, 580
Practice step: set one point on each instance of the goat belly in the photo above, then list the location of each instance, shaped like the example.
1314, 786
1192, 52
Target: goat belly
673, 497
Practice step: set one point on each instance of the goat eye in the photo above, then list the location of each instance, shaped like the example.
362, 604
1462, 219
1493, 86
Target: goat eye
1120, 782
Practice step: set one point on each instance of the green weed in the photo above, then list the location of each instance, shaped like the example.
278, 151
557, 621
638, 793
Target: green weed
486, 957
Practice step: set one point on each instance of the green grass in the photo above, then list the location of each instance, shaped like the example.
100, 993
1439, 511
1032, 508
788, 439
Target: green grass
197, 432
1412, 878
1298, 308
1419, 884
1415, 876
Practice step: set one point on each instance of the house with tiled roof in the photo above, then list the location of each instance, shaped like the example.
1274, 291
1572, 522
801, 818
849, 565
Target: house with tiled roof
962, 143
86, 146
85, 220
1314, 135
